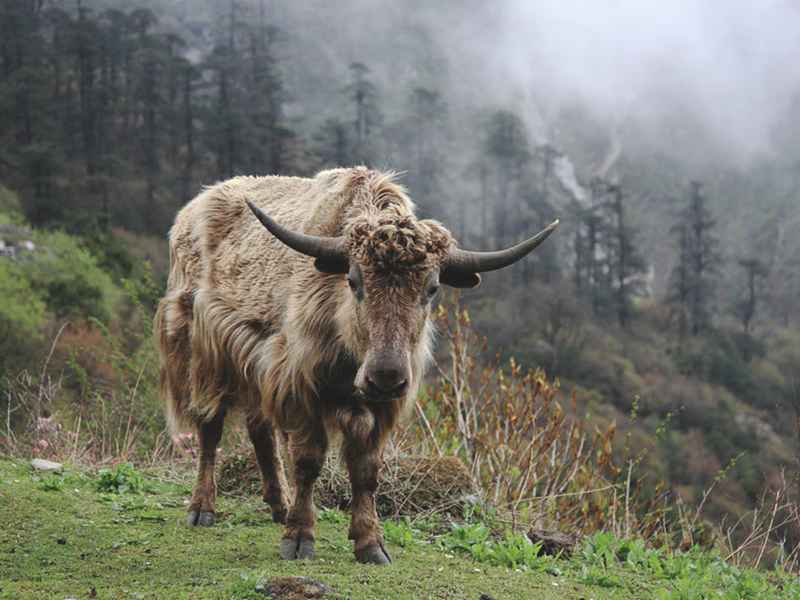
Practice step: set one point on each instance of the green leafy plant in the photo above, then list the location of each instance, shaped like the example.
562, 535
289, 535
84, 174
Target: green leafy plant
513, 551
52, 483
331, 515
122, 479
400, 533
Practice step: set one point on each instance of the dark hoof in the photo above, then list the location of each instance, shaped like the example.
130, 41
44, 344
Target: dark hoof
373, 555
292, 549
200, 518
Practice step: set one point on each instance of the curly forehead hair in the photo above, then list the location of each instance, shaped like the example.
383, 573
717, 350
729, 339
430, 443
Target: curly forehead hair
388, 241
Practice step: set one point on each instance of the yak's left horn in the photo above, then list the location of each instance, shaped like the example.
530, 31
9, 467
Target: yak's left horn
461, 267
330, 252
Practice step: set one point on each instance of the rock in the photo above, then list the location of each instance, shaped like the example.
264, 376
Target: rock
48, 466
553, 542
293, 588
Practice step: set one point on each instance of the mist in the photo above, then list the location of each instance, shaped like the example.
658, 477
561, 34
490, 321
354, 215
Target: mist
725, 70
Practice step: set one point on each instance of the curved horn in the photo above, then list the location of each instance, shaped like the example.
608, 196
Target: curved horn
461, 263
330, 252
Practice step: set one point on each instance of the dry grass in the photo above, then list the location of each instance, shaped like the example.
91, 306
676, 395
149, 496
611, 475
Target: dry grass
414, 486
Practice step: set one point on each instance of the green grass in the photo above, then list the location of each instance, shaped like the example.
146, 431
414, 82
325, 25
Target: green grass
64, 535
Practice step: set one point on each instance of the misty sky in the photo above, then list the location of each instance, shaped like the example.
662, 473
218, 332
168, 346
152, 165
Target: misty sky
732, 63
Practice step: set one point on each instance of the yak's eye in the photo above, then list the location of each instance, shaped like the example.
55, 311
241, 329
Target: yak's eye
354, 281
432, 289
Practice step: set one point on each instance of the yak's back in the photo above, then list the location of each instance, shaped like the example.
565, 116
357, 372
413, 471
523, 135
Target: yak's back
217, 243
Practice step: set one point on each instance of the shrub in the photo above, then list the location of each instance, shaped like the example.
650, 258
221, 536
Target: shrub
22, 318
534, 461
68, 278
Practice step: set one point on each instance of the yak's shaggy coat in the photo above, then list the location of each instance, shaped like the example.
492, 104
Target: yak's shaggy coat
336, 344
248, 322
245, 315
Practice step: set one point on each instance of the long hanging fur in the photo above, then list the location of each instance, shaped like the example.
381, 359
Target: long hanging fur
243, 312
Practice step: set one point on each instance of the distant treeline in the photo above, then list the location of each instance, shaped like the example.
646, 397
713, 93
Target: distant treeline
106, 121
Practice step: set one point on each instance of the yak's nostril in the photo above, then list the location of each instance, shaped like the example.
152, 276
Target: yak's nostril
387, 380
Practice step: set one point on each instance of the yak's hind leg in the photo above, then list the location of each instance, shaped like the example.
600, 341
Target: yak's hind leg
307, 449
202, 506
263, 436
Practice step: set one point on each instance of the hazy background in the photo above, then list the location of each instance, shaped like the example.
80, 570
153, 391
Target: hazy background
676, 298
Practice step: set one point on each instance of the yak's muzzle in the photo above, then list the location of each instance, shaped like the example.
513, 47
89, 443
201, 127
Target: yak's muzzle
384, 376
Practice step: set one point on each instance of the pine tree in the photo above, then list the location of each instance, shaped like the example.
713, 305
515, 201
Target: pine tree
367, 117
746, 308
507, 151
626, 261
694, 277
332, 144
427, 127
270, 136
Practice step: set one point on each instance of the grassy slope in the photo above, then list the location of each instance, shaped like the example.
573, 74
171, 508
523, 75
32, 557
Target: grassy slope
61, 543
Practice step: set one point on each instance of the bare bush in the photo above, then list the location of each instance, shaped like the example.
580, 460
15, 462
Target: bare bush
531, 457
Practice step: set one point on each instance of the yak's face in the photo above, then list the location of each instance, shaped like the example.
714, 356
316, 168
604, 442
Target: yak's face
391, 314
393, 278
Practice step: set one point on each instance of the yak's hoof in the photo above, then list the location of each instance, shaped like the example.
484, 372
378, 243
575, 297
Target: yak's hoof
200, 518
297, 549
374, 554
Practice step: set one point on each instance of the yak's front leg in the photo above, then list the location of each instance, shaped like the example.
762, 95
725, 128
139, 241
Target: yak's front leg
364, 460
308, 454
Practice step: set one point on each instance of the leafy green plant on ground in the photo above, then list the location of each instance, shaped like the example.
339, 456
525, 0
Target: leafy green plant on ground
400, 533
513, 550
52, 483
122, 479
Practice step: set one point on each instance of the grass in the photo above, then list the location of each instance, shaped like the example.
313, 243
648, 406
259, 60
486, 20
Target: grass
120, 534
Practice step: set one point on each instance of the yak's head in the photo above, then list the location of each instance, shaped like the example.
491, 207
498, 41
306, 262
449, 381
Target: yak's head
394, 265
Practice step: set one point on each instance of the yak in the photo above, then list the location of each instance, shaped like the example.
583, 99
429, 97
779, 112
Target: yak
317, 329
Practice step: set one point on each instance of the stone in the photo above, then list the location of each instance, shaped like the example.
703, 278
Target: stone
47, 466
553, 542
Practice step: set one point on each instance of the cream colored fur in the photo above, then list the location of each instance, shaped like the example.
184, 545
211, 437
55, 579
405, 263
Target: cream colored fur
243, 312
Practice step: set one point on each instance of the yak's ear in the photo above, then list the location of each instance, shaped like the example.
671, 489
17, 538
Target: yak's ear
332, 265
459, 279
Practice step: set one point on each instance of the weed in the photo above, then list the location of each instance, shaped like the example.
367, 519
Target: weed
594, 575
52, 483
400, 533
122, 479
330, 515
513, 551
247, 587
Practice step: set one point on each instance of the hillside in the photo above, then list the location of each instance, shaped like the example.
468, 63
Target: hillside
648, 352
65, 537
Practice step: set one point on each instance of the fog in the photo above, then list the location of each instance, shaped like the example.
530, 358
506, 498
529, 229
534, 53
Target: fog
733, 63
725, 69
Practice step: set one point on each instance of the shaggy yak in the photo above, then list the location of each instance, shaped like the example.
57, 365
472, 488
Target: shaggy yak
310, 347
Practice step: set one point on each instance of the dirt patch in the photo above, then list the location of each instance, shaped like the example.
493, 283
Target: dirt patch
293, 588
409, 485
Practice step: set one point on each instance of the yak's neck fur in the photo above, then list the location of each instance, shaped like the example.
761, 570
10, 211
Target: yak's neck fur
264, 317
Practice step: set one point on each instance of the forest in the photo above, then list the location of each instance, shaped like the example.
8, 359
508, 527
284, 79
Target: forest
665, 306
